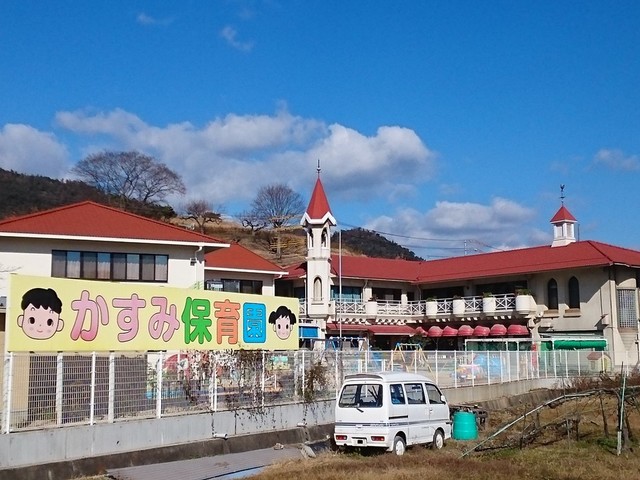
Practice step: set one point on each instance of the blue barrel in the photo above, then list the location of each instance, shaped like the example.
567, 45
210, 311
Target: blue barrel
464, 426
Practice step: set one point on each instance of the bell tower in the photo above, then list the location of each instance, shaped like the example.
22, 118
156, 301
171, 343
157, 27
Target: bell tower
317, 221
563, 224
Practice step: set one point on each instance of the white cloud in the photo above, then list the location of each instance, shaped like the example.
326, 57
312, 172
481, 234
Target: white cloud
450, 228
27, 150
145, 19
230, 34
617, 160
230, 157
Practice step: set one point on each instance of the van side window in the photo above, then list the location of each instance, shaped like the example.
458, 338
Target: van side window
435, 396
415, 393
397, 394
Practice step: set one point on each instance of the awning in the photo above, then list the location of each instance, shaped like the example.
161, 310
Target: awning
346, 327
449, 332
421, 331
391, 330
498, 330
481, 331
515, 329
308, 331
434, 332
465, 331
574, 344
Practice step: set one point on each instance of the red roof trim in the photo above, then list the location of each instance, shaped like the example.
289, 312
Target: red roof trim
392, 330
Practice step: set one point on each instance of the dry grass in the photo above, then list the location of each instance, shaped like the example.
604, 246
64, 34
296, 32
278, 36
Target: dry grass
577, 461
544, 446
565, 441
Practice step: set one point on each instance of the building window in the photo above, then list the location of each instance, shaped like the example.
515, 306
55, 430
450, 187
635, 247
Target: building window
574, 293
109, 266
552, 294
235, 286
323, 239
627, 313
317, 289
349, 294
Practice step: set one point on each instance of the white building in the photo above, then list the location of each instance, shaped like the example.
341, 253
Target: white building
92, 241
570, 294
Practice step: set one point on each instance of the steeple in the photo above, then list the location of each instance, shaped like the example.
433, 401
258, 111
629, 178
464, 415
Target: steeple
317, 221
318, 212
563, 224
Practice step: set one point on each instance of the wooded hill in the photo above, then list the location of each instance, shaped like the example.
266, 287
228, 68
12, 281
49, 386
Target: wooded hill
22, 194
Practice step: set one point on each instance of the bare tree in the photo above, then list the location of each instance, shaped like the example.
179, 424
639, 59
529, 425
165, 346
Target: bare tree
129, 176
277, 205
200, 211
249, 220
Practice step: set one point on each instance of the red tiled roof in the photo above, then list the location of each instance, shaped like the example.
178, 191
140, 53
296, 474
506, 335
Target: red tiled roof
297, 270
563, 215
239, 258
318, 208
526, 260
375, 268
90, 219
483, 265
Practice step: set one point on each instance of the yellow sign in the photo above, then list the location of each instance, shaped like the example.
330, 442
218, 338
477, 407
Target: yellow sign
63, 315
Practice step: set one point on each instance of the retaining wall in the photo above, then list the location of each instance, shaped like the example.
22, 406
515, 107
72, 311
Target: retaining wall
62, 453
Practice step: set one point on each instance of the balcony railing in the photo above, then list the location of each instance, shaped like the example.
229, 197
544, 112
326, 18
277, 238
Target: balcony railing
441, 307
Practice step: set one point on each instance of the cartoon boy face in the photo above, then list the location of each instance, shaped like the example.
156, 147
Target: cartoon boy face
40, 317
283, 320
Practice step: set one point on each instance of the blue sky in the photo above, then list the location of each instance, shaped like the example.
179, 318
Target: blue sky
447, 120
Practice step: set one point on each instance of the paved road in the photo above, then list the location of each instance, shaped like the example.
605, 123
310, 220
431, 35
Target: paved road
209, 467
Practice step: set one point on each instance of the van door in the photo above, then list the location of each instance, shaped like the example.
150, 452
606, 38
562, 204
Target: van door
398, 415
439, 414
420, 430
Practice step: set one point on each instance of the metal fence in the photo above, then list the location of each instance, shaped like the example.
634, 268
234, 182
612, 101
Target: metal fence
43, 391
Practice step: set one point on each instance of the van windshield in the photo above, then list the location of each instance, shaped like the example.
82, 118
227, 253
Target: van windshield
361, 395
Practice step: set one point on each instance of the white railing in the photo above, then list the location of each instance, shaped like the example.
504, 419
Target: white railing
395, 307
350, 307
56, 390
473, 305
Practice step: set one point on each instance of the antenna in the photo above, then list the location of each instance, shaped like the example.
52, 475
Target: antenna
562, 196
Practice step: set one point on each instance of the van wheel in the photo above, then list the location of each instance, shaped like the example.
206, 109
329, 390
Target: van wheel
438, 440
399, 445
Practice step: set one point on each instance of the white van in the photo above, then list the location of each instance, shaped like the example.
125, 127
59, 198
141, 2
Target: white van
391, 410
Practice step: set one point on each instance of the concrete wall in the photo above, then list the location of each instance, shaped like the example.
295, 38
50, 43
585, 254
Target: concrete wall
70, 443
22, 449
